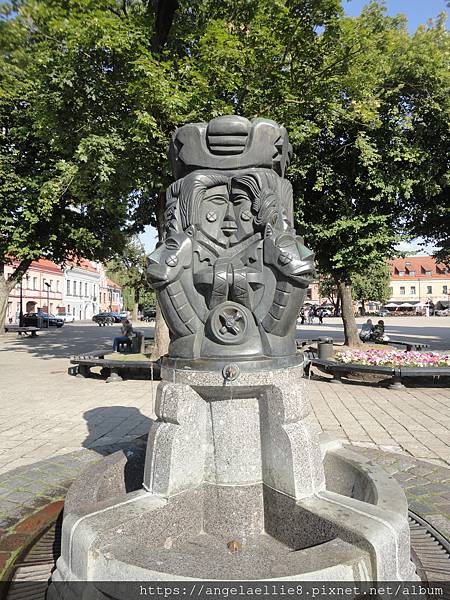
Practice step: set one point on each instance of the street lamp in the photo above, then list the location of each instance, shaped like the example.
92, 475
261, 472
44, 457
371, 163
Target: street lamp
27, 277
48, 285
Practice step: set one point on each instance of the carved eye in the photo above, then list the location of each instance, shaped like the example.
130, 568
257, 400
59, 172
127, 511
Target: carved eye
172, 244
217, 200
246, 215
283, 241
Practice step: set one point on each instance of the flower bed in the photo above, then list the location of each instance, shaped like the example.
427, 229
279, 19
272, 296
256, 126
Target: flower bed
393, 358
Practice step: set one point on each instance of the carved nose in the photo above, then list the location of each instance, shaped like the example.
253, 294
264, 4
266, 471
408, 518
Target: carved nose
228, 223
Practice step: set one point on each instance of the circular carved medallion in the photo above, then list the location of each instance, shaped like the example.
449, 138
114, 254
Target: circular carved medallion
228, 323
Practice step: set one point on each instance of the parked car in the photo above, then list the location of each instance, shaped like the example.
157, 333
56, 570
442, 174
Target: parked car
42, 319
149, 314
67, 318
445, 312
383, 313
124, 314
106, 318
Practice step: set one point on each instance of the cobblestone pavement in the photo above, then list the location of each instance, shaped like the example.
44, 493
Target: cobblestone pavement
52, 425
31, 496
45, 412
415, 421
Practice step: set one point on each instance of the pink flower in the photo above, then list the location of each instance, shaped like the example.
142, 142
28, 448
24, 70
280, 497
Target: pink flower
394, 358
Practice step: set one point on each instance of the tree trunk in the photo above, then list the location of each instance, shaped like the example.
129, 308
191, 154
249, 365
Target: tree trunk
363, 308
5, 289
348, 316
162, 337
6, 285
134, 311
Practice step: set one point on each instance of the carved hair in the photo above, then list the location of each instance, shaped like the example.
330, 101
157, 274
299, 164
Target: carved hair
270, 196
264, 189
191, 192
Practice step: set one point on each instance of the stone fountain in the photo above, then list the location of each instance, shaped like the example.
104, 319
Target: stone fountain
235, 483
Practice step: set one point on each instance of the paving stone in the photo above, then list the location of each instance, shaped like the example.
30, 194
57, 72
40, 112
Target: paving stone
417, 481
20, 497
421, 508
419, 490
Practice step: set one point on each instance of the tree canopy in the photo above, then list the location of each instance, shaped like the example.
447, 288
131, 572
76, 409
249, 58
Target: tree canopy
90, 92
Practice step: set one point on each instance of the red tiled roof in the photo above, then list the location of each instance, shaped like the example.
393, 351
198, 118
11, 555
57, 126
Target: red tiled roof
113, 284
420, 265
83, 263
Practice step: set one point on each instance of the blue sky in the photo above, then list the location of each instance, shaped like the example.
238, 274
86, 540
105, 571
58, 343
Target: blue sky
417, 11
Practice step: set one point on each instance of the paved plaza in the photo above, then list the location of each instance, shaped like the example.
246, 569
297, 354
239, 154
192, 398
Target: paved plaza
53, 425
45, 412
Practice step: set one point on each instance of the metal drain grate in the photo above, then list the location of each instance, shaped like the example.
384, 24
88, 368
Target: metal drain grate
430, 551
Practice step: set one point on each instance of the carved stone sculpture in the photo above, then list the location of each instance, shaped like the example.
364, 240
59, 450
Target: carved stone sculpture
231, 273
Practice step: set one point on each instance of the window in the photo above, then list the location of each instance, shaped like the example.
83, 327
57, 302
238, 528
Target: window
413, 290
57, 285
429, 289
401, 273
444, 289
68, 287
44, 287
428, 273
35, 284
85, 289
412, 273
402, 290
308, 294
74, 288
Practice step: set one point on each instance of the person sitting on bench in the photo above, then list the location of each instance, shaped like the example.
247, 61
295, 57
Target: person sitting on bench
366, 331
378, 334
125, 338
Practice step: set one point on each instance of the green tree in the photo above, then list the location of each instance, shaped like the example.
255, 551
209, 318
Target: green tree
328, 289
129, 271
373, 285
95, 89
359, 165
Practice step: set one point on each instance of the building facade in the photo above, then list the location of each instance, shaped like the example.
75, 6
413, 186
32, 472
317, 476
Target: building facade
419, 281
81, 290
42, 289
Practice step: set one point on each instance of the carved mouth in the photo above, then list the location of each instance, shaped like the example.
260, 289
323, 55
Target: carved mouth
156, 275
229, 228
306, 273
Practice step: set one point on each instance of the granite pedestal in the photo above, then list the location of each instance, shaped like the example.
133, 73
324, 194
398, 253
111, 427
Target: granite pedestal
234, 463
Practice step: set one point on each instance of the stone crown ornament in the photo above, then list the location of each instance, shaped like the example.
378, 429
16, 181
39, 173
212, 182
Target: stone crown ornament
229, 143
231, 273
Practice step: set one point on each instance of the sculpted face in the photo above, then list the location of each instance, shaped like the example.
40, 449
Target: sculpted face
168, 260
212, 212
290, 257
242, 212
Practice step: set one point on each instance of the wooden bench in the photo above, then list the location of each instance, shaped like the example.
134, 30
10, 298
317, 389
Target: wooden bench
22, 330
112, 367
408, 345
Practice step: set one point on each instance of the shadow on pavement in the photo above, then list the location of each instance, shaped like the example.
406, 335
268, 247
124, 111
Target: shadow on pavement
70, 340
120, 428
